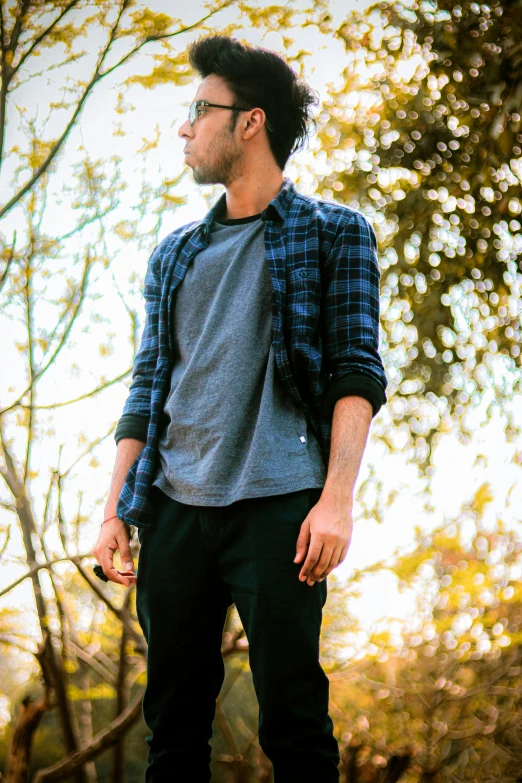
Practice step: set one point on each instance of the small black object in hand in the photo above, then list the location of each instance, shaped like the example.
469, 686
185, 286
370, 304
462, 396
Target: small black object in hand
98, 570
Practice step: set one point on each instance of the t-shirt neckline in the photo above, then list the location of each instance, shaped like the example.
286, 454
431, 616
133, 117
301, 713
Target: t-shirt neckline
237, 221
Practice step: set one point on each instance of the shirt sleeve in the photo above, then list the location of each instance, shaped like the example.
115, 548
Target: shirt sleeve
136, 411
352, 312
130, 425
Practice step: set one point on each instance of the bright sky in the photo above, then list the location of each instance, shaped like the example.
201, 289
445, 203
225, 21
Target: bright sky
457, 473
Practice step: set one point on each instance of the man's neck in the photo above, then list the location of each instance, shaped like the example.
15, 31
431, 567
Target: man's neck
250, 196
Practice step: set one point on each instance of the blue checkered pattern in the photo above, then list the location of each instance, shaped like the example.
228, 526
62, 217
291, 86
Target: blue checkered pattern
322, 259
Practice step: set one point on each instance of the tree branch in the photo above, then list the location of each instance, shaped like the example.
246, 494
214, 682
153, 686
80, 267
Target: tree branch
98, 76
34, 569
76, 399
82, 288
92, 662
10, 257
43, 35
101, 741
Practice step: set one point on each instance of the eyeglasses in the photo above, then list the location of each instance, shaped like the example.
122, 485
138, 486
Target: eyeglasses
197, 105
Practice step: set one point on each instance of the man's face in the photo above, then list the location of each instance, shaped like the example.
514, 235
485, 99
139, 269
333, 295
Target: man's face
212, 149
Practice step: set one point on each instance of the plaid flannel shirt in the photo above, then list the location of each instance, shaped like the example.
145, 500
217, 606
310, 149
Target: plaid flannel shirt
324, 271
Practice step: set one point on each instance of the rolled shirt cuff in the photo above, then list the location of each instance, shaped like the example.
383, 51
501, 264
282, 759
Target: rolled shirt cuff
131, 425
354, 383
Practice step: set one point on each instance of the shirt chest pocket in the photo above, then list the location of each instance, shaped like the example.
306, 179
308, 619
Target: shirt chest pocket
304, 296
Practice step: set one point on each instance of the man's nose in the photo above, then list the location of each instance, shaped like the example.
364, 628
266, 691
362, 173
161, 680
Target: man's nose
184, 129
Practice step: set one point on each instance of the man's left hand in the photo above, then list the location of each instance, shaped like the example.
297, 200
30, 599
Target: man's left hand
326, 534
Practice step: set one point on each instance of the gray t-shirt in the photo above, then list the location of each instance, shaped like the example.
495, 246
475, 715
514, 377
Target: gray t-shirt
233, 432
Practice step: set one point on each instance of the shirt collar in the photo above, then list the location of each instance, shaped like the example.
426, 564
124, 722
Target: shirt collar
279, 206
276, 210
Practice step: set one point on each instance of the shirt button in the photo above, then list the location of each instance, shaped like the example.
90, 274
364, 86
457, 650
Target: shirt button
303, 273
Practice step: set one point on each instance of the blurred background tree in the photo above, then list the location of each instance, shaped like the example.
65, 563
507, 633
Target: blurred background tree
440, 699
424, 137
62, 218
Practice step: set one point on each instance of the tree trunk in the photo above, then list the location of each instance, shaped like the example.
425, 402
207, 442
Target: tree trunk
19, 753
26, 723
86, 727
52, 668
396, 767
430, 777
122, 699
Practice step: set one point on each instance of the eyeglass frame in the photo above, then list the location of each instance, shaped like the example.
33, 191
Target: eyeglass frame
196, 104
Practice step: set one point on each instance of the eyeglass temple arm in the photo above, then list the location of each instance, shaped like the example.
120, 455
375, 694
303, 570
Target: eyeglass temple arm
234, 108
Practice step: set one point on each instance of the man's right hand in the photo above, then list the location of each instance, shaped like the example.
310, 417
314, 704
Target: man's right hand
113, 536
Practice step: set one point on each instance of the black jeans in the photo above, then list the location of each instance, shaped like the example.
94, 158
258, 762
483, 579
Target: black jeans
196, 562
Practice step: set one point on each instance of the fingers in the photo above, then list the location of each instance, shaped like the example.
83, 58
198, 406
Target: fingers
126, 558
105, 558
125, 552
302, 542
110, 542
334, 562
114, 576
337, 558
107, 563
343, 552
129, 575
317, 552
321, 561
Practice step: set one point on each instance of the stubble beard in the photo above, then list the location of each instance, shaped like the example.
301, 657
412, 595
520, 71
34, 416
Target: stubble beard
223, 162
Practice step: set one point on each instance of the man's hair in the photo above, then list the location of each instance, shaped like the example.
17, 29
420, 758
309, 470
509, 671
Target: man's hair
260, 78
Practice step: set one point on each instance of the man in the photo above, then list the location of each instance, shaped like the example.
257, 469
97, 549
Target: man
240, 442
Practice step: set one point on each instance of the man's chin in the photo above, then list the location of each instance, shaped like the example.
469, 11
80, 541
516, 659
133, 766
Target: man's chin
204, 178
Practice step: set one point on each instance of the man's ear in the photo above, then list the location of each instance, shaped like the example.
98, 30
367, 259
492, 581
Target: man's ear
254, 123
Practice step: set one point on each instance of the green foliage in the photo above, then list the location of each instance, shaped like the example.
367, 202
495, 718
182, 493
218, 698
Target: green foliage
425, 137
445, 691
